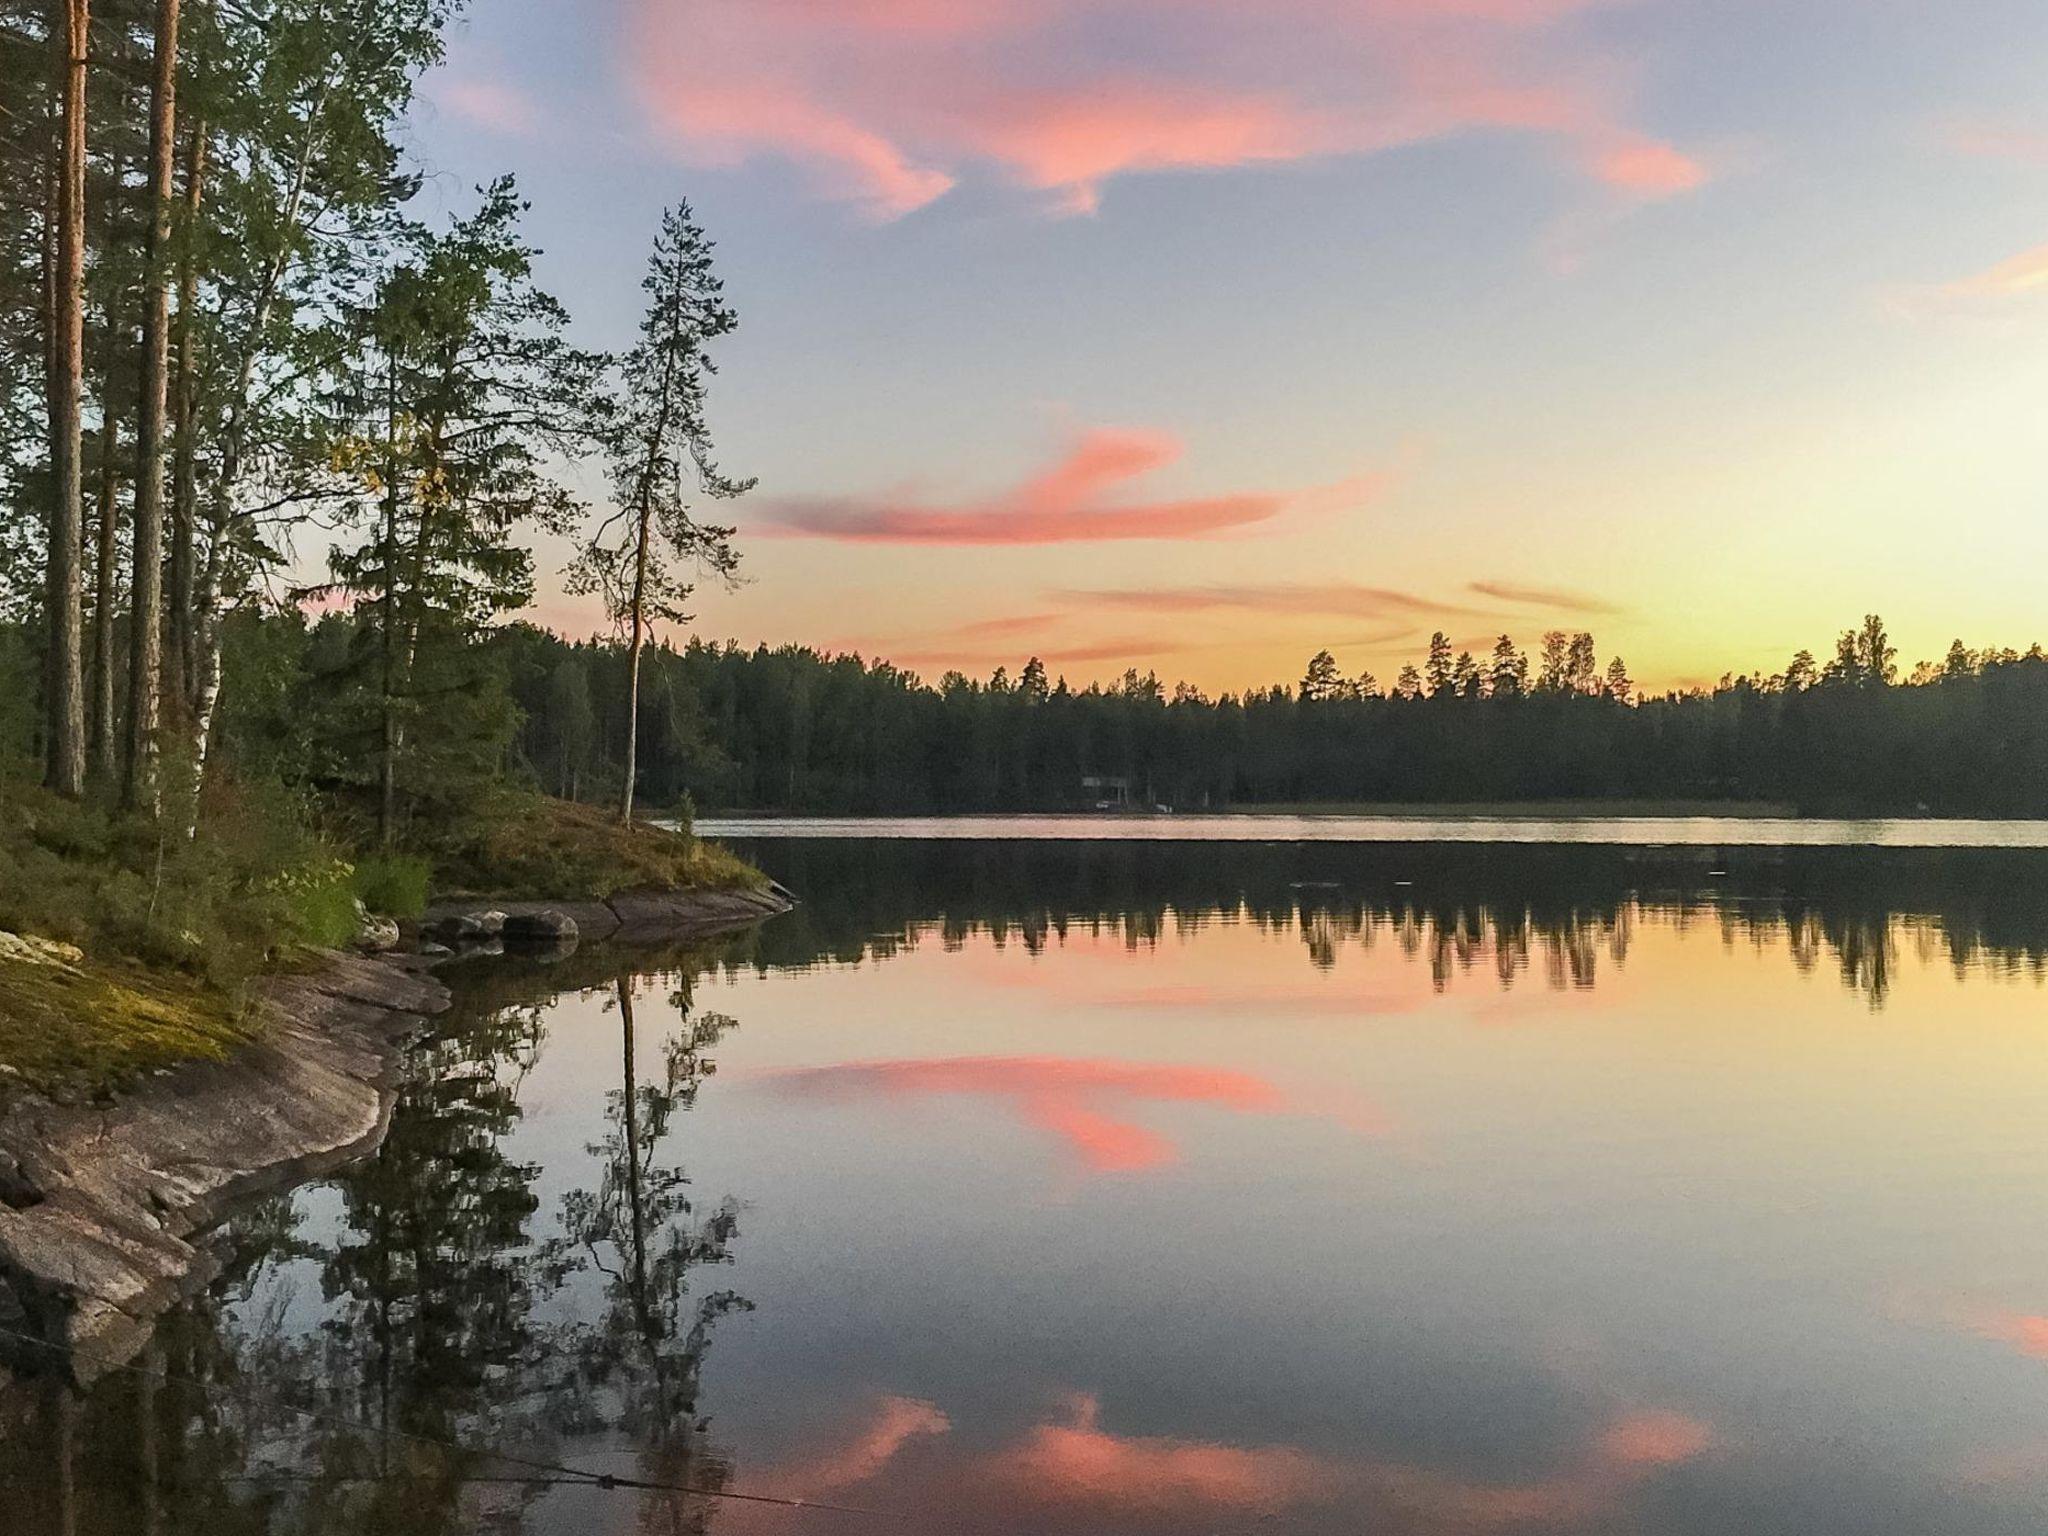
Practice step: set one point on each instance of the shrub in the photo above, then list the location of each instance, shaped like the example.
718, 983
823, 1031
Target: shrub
256, 881
393, 883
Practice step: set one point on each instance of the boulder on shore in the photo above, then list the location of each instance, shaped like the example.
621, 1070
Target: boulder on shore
456, 928
548, 925
375, 934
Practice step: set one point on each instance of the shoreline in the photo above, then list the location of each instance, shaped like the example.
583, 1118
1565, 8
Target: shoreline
1638, 831
106, 1209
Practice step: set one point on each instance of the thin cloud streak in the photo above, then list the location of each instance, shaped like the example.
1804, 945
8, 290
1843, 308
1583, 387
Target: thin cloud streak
1563, 600
2026, 273
1318, 599
1074, 500
1007, 624
1129, 648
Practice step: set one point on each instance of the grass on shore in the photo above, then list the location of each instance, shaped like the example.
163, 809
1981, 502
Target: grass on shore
69, 1024
125, 946
530, 847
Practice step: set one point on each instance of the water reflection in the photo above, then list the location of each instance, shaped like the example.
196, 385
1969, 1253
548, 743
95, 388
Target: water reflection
402, 1350
1436, 1276
1507, 913
1076, 1101
638, 1360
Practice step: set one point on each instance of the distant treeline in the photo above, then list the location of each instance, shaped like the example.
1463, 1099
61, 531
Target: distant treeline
791, 729
726, 728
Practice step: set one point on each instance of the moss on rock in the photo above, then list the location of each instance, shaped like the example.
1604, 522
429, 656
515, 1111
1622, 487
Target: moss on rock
69, 1024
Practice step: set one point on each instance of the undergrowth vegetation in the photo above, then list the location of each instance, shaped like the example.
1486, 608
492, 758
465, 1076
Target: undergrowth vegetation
169, 929
218, 908
526, 845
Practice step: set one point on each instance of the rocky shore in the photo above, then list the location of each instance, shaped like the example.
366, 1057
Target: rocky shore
105, 1208
632, 917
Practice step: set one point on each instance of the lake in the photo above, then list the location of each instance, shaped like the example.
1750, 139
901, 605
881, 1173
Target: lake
1123, 1187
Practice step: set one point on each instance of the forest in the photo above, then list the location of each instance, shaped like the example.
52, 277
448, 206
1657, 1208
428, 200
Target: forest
789, 729
236, 352
248, 373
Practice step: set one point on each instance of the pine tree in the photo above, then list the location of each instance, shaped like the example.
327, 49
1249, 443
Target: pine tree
1440, 673
1509, 677
466, 384
64, 766
1319, 682
641, 557
1554, 674
1619, 686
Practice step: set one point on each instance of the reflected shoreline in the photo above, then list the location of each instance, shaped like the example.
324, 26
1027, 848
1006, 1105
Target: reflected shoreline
1510, 910
1649, 832
376, 1343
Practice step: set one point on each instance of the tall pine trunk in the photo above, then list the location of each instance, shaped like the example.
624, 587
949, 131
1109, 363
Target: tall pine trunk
106, 590
184, 645
64, 769
633, 663
387, 770
145, 634
644, 530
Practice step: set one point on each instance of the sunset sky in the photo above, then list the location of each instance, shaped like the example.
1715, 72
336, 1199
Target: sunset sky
1198, 334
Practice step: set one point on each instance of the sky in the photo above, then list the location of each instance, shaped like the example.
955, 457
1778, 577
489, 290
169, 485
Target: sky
1198, 335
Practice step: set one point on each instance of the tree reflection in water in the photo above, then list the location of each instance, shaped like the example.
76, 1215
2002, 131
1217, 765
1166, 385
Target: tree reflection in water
641, 1356
1504, 912
450, 1327
426, 1300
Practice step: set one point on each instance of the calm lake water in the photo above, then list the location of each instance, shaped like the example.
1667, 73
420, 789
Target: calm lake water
1124, 1188
1657, 831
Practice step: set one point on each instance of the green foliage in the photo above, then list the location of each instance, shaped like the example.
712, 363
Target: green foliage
527, 846
393, 883
320, 903
218, 908
659, 442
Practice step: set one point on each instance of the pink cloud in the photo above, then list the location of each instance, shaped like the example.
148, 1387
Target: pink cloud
493, 104
859, 1453
891, 102
1075, 500
1991, 141
723, 122
2022, 274
1074, 1462
1328, 598
1071, 141
1070, 1464
1079, 1462
1653, 1438
1080, 1102
1649, 169
2025, 1333
1121, 648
